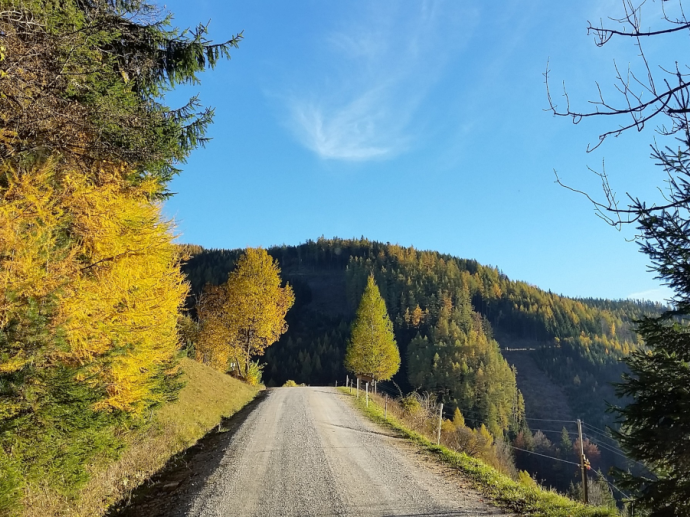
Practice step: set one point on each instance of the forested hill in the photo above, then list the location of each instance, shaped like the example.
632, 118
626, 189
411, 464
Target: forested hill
446, 312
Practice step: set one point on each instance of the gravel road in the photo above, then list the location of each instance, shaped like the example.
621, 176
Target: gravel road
306, 451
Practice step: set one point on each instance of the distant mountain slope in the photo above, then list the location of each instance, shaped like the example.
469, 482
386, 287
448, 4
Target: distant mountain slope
445, 310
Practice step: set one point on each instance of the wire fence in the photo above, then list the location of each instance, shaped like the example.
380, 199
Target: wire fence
423, 414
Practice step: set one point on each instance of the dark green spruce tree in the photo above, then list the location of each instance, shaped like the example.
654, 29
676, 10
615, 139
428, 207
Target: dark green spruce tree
96, 74
656, 424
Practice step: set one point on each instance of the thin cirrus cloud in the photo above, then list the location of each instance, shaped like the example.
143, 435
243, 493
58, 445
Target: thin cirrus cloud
366, 91
660, 294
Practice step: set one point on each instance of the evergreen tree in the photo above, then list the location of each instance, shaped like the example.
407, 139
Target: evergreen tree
566, 443
95, 74
656, 424
372, 350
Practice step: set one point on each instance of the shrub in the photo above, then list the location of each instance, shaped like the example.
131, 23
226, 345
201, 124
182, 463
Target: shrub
290, 384
254, 373
411, 405
526, 480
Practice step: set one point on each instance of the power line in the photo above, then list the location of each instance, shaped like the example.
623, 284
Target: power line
595, 430
611, 450
599, 429
611, 484
619, 453
554, 431
605, 446
543, 455
551, 420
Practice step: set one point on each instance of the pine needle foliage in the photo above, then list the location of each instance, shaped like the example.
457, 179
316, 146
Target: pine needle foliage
87, 80
372, 350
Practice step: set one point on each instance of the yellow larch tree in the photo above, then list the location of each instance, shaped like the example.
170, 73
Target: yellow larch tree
250, 317
372, 350
213, 346
95, 261
125, 300
34, 264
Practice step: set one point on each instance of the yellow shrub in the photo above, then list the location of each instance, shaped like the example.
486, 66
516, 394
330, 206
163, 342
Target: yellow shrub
526, 480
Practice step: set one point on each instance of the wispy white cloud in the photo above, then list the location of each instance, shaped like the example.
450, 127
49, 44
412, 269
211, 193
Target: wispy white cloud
362, 103
660, 294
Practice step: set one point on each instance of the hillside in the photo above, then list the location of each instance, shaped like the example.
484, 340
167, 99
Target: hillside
206, 398
577, 344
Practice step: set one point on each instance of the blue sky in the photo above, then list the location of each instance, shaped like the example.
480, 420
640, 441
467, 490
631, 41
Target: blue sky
419, 123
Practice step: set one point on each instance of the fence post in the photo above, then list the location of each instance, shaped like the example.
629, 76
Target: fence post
336, 383
347, 381
357, 387
385, 407
366, 387
440, 422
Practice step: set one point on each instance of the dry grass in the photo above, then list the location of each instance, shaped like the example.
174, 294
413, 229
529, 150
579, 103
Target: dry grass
207, 396
422, 418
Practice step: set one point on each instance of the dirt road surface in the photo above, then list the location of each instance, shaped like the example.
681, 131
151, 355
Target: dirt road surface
307, 452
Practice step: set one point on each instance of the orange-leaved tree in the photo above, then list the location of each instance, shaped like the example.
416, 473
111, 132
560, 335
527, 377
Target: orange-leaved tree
243, 317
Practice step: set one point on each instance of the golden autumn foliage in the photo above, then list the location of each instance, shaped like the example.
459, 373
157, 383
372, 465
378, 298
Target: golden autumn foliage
372, 350
213, 345
244, 316
98, 261
90, 284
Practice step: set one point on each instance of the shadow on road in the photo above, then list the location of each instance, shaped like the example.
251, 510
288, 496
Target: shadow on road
170, 491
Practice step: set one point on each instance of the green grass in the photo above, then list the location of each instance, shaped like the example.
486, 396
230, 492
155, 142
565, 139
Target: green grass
525, 500
207, 397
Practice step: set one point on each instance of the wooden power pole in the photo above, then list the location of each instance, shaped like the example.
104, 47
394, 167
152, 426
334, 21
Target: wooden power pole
583, 468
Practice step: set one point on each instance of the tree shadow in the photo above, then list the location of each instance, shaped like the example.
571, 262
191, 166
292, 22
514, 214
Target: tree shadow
171, 490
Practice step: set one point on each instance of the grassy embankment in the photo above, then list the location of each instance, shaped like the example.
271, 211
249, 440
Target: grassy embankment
206, 397
523, 499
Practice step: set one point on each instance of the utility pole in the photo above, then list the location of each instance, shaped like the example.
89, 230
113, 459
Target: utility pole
440, 422
585, 492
